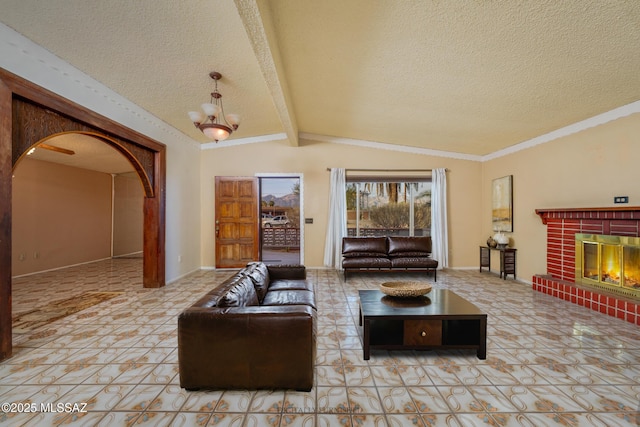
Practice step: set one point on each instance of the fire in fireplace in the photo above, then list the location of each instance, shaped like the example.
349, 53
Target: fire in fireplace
609, 262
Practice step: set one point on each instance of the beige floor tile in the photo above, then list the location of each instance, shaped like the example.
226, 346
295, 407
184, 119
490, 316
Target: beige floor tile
548, 362
364, 400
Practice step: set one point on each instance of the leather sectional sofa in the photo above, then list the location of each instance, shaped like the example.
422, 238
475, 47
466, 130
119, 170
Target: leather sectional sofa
256, 330
391, 253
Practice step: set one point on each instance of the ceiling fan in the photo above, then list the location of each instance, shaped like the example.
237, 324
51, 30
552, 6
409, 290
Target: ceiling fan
56, 149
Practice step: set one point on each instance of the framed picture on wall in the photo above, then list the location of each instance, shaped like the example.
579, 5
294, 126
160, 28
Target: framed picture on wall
502, 204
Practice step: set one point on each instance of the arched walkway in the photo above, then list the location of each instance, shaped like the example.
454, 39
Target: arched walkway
29, 115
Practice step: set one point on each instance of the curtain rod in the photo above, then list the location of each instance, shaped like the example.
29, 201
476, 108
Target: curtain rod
387, 170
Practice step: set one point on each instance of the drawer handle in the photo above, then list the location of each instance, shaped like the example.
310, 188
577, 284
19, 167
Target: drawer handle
423, 333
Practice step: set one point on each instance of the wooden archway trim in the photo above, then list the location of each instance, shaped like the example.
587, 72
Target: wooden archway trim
48, 123
145, 180
29, 114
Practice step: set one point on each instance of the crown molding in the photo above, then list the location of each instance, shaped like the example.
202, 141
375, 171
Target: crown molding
390, 147
609, 116
241, 141
600, 119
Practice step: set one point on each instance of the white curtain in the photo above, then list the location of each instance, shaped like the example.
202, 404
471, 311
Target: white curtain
439, 234
337, 227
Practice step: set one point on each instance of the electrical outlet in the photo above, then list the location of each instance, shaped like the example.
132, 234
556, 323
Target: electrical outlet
621, 199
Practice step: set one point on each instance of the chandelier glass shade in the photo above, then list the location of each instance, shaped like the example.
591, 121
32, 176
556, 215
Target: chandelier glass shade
214, 123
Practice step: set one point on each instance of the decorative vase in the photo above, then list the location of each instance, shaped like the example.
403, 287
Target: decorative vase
502, 240
491, 242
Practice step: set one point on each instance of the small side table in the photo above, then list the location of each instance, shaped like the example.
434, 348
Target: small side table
507, 260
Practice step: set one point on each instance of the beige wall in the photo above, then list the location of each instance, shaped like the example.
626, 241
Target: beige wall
128, 218
312, 159
189, 189
61, 216
586, 169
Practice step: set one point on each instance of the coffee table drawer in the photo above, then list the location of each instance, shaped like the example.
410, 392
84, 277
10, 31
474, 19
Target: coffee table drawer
422, 332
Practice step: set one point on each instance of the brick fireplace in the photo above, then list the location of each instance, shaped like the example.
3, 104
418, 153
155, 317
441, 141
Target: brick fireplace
562, 226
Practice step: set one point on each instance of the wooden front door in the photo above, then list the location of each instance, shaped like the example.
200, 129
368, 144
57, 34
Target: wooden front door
237, 225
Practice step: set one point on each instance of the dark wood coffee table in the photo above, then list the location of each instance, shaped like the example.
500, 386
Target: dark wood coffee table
439, 320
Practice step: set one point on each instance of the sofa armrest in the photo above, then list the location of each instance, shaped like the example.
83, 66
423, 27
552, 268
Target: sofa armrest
290, 272
247, 347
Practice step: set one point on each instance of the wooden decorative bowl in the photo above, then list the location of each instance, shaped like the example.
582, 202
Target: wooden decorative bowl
405, 289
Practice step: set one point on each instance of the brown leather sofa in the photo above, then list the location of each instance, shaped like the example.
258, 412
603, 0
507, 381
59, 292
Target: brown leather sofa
391, 253
257, 330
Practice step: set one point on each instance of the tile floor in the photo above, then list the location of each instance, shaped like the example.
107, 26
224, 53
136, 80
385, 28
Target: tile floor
549, 362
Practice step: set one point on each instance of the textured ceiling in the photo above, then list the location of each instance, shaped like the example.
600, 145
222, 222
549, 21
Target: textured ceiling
462, 76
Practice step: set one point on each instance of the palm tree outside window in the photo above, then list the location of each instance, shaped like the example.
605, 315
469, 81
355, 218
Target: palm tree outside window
379, 207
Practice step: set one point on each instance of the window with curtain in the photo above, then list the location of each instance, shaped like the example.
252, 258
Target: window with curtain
388, 206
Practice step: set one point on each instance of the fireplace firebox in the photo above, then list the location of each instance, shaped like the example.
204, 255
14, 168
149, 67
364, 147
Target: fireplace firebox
609, 262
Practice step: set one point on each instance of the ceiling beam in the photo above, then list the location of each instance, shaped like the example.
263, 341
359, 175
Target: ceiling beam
257, 22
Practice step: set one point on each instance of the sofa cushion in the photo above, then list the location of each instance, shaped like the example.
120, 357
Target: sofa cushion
410, 254
364, 246
287, 271
364, 254
283, 285
413, 262
366, 263
259, 274
241, 293
290, 297
399, 245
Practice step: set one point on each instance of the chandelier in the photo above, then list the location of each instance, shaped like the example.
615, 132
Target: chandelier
214, 123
